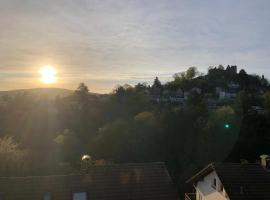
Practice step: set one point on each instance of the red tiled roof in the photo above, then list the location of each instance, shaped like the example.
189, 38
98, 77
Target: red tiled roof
128, 181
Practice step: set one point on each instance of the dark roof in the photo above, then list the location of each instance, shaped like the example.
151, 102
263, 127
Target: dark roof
252, 178
125, 181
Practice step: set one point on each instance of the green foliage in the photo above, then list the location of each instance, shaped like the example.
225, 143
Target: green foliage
13, 159
184, 79
82, 90
266, 101
157, 87
68, 145
129, 125
145, 117
191, 73
225, 138
157, 83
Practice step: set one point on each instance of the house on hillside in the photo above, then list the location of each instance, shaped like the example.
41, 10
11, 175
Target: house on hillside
218, 90
227, 95
196, 90
186, 95
233, 86
108, 182
230, 181
179, 93
257, 109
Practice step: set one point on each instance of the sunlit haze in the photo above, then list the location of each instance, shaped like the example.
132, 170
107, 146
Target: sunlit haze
111, 42
135, 99
48, 74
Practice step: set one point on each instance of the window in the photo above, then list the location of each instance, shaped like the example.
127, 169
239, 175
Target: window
47, 196
267, 164
200, 196
220, 188
79, 196
241, 190
214, 183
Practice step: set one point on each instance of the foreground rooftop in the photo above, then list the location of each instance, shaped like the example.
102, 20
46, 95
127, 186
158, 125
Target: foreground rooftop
125, 181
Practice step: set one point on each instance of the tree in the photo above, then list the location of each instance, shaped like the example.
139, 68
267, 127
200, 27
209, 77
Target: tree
219, 134
112, 141
13, 159
243, 78
243, 102
191, 73
82, 91
157, 87
68, 144
266, 101
145, 117
83, 88
157, 83
141, 87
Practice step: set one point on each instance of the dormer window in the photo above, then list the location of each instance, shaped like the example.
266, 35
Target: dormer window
79, 196
214, 183
267, 163
221, 188
241, 190
47, 196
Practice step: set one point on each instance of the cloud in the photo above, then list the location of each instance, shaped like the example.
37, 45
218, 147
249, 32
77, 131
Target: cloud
112, 41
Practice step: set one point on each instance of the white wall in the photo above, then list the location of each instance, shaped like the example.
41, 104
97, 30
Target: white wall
206, 190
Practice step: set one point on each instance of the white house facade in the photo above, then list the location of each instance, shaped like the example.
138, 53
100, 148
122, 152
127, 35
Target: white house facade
231, 181
211, 188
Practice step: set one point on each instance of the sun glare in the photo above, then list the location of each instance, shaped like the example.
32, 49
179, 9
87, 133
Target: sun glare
48, 74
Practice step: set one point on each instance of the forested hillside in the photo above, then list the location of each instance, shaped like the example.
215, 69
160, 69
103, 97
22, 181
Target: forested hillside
187, 123
50, 93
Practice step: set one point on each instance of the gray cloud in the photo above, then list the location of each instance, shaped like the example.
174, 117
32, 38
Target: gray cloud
109, 42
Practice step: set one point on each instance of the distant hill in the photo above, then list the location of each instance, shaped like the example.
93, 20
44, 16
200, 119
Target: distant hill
48, 92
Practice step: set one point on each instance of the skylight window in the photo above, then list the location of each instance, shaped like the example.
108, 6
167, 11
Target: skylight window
46, 196
79, 196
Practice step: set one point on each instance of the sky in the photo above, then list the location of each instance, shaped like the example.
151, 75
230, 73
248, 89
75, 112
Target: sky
111, 42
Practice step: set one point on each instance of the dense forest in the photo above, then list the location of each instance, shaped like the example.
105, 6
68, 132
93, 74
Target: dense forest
187, 122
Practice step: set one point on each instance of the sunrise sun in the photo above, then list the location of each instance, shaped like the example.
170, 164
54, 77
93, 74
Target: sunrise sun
48, 74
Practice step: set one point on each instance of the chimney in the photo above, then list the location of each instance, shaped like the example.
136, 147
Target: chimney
86, 162
265, 161
241, 190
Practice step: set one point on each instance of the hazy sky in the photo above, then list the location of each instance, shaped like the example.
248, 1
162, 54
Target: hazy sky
108, 42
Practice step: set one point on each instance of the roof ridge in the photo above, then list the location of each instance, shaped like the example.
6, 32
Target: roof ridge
91, 167
234, 163
214, 165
